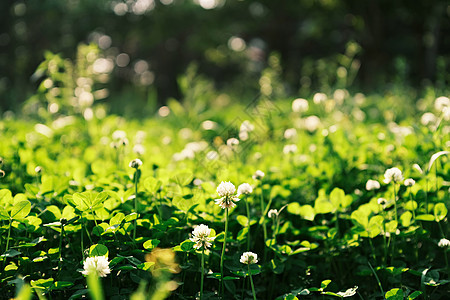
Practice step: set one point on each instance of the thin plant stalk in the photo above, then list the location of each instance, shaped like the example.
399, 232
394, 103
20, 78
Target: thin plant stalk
248, 225
135, 201
7, 242
203, 272
395, 203
82, 241
412, 205
223, 252
264, 214
251, 282
376, 277
61, 236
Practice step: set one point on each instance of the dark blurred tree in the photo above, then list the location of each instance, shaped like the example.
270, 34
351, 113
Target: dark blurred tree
394, 36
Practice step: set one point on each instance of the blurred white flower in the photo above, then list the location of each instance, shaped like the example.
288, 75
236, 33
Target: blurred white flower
290, 133
201, 238
244, 188
98, 265
139, 149
290, 149
249, 258
312, 123
300, 105
381, 201
247, 126
428, 118
409, 182
441, 102
135, 163
393, 174
258, 175
232, 142
443, 243
119, 135
319, 98
372, 185
243, 135
272, 213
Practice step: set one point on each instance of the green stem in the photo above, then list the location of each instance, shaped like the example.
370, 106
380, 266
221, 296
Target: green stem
373, 250
7, 238
135, 201
223, 252
376, 277
82, 241
202, 275
61, 236
395, 203
426, 195
264, 215
248, 225
412, 205
251, 282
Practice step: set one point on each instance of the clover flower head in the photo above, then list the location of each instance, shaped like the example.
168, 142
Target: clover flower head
409, 182
119, 135
2, 173
372, 185
135, 163
227, 201
441, 102
444, 243
300, 105
226, 189
290, 133
139, 149
249, 258
259, 175
201, 238
98, 265
272, 213
382, 201
244, 188
290, 149
38, 169
393, 174
232, 142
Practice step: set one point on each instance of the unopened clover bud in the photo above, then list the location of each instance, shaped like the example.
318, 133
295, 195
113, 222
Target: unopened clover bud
409, 182
272, 213
135, 163
2, 173
38, 169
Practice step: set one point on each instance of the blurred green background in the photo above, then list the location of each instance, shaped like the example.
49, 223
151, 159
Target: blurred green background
149, 51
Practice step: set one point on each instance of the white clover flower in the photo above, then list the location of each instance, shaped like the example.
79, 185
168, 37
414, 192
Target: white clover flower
259, 175
38, 169
290, 149
201, 238
249, 258
232, 142
428, 118
441, 102
2, 173
444, 243
300, 105
135, 163
319, 98
372, 185
312, 123
393, 174
409, 182
98, 265
244, 188
119, 135
290, 133
247, 126
272, 213
382, 201
226, 190
139, 149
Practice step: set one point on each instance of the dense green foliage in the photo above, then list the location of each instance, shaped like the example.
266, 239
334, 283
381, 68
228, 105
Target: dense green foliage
69, 193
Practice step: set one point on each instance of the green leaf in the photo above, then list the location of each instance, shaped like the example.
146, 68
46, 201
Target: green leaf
337, 197
425, 217
152, 185
187, 246
323, 206
151, 244
440, 211
394, 294
183, 178
414, 295
242, 220
405, 218
98, 250
20, 210
324, 284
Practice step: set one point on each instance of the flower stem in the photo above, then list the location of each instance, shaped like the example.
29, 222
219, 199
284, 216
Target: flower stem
248, 225
223, 252
135, 202
251, 282
376, 277
202, 275
412, 205
264, 214
395, 203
